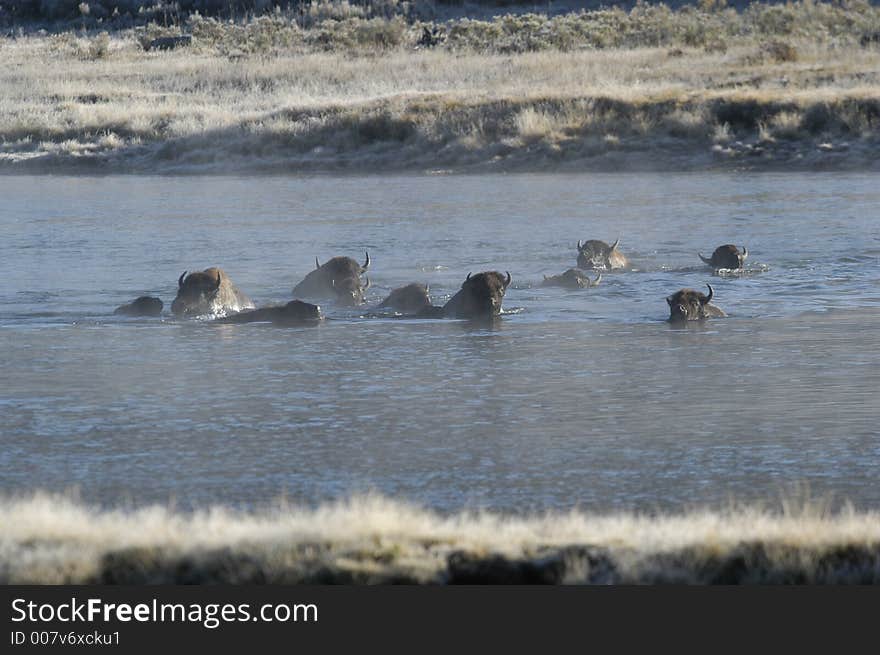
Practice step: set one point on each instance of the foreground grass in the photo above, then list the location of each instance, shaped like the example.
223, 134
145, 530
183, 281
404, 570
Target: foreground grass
706, 90
54, 540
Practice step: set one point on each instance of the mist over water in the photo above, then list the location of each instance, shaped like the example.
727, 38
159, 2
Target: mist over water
574, 399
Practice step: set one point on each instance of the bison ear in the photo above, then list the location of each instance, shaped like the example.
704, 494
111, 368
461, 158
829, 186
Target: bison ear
180, 280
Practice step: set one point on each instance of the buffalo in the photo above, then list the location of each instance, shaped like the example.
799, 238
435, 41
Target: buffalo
690, 305
296, 312
143, 306
208, 292
480, 296
338, 278
573, 278
410, 299
727, 256
594, 254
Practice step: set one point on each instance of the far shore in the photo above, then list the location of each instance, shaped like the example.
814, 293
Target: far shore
683, 90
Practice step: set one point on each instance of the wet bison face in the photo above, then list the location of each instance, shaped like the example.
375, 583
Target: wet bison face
690, 305
338, 278
480, 296
726, 256
143, 306
350, 291
409, 299
594, 254
573, 278
196, 292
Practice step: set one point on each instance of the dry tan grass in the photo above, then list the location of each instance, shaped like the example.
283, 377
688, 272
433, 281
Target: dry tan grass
53, 539
184, 108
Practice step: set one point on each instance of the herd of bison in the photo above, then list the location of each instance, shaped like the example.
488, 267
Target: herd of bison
343, 279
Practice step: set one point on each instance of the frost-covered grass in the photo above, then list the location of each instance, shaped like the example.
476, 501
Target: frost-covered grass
792, 85
54, 539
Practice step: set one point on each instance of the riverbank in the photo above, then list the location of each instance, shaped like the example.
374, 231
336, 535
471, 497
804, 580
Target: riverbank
795, 87
367, 540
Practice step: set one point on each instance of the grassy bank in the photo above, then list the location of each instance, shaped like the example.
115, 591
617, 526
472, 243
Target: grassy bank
54, 540
770, 87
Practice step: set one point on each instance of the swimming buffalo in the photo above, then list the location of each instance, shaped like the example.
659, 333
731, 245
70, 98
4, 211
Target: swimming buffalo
208, 292
410, 299
594, 254
690, 305
296, 312
727, 256
480, 296
143, 306
338, 278
573, 278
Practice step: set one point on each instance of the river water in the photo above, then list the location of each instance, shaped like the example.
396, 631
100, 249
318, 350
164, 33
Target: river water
572, 399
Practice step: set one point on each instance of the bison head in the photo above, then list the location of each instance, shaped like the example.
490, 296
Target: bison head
196, 292
595, 254
689, 305
480, 296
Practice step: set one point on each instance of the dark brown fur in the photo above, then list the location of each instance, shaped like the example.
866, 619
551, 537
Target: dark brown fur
595, 254
208, 292
338, 278
690, 305
296, 312
727, 256
409, 299
143, 306
480, 296
573, 278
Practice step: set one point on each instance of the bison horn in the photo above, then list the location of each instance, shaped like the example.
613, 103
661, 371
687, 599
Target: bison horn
218, 280
745, 252
366, 262
711, 295
180, 280
614, 245
669, 300
367, 285
579, 245
468, 277
507, 282
705, 261
597, 280
317, 265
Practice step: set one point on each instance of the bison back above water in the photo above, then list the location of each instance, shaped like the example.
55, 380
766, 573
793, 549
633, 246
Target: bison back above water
726, 256
208, 292
690, 305
296, 312
410, 299
480, 296
338, 278
143, 306
573, 278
